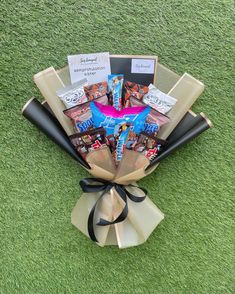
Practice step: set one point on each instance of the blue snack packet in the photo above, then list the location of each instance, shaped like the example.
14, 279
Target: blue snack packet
108, 117
118, 124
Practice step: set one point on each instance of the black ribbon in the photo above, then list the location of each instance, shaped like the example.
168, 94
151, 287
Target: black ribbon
91, 185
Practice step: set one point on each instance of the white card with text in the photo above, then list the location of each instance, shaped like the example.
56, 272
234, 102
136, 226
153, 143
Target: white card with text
142, 66
95, 67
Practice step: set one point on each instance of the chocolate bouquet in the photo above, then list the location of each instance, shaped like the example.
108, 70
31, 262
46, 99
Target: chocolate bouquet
118, 117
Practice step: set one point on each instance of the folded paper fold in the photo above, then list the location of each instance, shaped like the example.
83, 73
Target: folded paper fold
141, 220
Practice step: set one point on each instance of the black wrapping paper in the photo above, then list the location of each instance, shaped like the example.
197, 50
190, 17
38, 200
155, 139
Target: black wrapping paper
189, 121
200, 127
48, 124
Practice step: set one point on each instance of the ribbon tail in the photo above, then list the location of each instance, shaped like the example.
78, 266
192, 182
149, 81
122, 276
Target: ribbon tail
90, 225
89, 185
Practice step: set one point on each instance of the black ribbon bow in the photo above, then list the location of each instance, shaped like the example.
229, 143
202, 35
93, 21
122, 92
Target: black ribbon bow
90, 185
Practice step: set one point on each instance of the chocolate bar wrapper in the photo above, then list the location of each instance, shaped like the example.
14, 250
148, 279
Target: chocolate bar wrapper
132, 140
115, 84
155, 119
120, 134
87, 141
132, 89
81, 115
148, 145
117, 141
96, 90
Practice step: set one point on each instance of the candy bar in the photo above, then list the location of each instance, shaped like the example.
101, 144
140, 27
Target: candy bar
148, 145
154, 120
115, 83
96, 90
74, 94
121, 132
81, 115
87, 141
132, 140
135, 90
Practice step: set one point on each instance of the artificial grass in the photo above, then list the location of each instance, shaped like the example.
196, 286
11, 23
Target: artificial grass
192, 249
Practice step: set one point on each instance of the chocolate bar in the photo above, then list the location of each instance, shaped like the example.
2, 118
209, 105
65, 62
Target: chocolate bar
135, 90
159, 100
96, 90
115, 83
87, 141
154, 120
148, 145
81, 115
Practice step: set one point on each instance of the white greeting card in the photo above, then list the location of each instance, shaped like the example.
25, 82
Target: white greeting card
143, 66
94, 67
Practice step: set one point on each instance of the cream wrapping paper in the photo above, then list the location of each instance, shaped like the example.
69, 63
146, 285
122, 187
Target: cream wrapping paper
142, 218
48, 82
186, 90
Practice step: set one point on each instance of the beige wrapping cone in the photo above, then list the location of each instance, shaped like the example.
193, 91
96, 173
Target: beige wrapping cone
102, 164
48, 83
142, 219
186, 90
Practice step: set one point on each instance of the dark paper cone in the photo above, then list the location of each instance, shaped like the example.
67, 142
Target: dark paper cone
191, 134
44, 120
46, 105
189, 121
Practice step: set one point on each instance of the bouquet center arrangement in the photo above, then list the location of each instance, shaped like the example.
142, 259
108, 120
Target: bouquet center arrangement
118, 116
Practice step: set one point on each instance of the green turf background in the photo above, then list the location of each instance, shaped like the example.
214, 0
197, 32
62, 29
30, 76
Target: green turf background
192, 249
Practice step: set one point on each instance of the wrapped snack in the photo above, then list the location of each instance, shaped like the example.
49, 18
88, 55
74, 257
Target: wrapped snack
159, 100
154, 120
123, 137
115, 83
118, 124
135, 90
132, 140
73, 94
88, 141
81, 115
148, 145
108, 117
121, 132
96, 90
111, 142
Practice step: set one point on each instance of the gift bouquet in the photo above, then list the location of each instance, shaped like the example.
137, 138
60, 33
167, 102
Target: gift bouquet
118, 116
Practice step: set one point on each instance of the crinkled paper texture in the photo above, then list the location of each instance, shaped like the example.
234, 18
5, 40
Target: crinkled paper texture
142, 218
